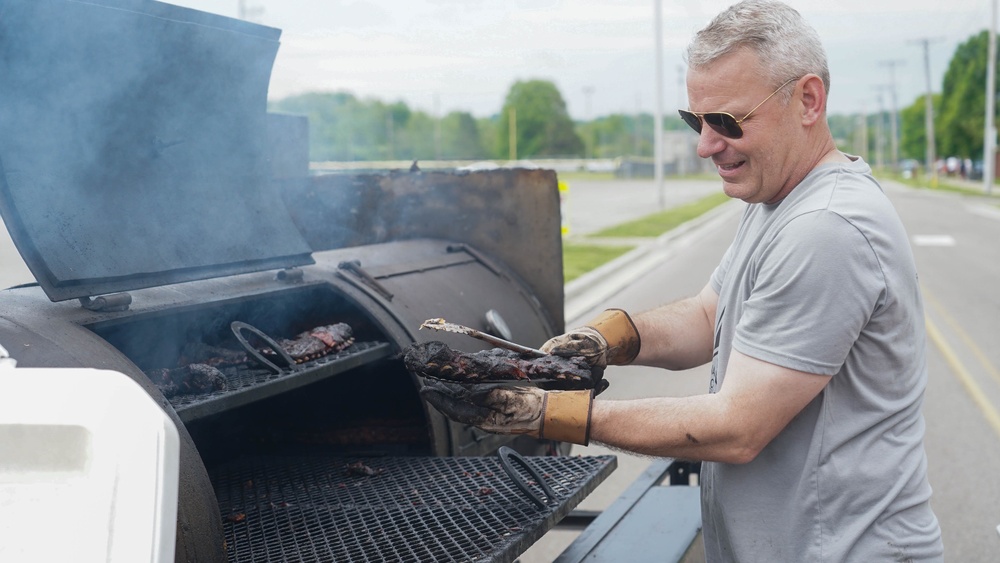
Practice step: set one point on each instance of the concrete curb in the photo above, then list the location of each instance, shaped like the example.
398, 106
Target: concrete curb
597, 286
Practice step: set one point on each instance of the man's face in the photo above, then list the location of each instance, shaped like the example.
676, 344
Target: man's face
758, 166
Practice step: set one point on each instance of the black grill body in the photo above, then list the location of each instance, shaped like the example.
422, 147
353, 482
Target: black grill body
155, 213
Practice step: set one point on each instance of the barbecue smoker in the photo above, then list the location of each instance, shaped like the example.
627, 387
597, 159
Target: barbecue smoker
170, 221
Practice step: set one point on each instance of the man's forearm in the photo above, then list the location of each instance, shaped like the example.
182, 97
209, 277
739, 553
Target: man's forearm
696, 428
676, 336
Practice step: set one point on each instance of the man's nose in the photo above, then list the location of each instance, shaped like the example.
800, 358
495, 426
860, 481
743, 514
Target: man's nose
710, 142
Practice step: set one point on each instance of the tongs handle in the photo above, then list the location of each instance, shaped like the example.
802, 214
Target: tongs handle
441, 324
507, 454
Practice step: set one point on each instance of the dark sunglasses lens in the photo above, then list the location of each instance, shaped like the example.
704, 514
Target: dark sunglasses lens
724, 124
691, 119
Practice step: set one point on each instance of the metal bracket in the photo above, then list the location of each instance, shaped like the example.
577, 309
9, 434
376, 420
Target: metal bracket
354, 267
290, 275
107, 303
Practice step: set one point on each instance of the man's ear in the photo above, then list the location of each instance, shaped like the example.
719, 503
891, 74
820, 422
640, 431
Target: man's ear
813, 99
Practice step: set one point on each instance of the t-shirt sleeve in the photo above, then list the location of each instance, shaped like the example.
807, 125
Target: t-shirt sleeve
816, 285
719, 273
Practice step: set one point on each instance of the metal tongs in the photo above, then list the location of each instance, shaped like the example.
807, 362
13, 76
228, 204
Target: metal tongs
441, 324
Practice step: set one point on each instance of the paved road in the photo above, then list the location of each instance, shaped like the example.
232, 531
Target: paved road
591, 205
954, 242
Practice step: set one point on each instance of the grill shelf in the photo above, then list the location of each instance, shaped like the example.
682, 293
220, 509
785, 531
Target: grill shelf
309, 508
248, 384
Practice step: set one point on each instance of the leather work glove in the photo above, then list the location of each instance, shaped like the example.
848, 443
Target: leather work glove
609, 339
505, 409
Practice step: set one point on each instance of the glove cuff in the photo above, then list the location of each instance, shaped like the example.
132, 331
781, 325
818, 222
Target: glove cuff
566, 416
621, 335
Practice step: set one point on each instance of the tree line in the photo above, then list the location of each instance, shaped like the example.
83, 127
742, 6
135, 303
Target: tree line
344, 127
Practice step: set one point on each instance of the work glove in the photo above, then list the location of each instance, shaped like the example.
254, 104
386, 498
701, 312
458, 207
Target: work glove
609, 339
563, 416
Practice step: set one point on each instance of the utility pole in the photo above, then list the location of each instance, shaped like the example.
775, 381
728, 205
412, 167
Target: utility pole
861, 134
682, 161
512, 134
658, 106
879, 125
990, 135
931, 156
894, 129
588, 91
437, 127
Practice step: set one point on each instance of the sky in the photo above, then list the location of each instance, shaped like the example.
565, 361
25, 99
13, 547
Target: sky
440, 56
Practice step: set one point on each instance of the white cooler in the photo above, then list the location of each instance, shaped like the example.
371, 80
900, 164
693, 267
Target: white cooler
88, 468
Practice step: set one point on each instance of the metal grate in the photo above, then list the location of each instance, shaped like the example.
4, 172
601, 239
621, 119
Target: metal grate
312, 508
247, 384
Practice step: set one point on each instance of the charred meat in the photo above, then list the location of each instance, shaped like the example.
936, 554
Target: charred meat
191, 379
435, 359
316, 343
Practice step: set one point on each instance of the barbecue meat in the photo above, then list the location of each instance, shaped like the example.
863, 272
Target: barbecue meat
191, 379
316, 343
435, 359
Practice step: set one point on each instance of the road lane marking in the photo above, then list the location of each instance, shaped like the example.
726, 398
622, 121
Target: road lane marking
963, 375
966, 339
933, 240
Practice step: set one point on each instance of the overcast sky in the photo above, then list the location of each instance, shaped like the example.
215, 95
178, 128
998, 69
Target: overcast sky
445, 55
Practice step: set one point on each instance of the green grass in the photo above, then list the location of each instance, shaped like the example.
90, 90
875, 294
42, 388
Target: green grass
658, 223
569, 176
578, 259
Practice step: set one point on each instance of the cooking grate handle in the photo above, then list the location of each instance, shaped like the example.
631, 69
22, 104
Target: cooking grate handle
238, 327
506, 455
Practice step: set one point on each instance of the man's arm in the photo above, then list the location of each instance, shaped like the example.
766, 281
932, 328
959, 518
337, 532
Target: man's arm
756, 401
679, 335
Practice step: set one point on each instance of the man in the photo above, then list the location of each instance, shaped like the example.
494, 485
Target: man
813, 323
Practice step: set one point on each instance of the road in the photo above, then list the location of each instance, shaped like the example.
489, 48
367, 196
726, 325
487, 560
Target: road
954, 240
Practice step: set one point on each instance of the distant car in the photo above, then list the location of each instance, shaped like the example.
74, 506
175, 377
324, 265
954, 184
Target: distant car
976, 173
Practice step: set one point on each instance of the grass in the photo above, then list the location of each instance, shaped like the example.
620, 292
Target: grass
578, 259
582, 257
658, 223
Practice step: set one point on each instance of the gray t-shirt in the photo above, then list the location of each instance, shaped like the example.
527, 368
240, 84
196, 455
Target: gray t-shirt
825, 282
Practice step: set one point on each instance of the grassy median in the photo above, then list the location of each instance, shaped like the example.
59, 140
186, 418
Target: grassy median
580, 256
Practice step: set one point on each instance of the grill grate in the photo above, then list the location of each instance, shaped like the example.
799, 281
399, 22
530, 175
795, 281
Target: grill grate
311, 508
246, 384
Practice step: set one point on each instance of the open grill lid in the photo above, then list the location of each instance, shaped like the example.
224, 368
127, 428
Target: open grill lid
133, 145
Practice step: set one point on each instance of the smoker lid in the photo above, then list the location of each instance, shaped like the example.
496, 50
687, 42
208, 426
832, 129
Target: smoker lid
134, 145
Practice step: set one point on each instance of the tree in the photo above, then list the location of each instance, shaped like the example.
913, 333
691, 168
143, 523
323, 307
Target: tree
963, 100
460, 137
342, 127
543, 127
913, 127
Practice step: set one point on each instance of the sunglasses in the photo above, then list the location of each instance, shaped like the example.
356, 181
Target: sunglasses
721, 122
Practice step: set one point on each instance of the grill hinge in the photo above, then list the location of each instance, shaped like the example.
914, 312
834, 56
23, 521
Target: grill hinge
354, 267
107, 303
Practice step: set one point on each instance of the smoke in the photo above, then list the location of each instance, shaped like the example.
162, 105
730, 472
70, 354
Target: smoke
134, 144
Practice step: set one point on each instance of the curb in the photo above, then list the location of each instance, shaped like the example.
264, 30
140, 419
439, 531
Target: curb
596, 286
